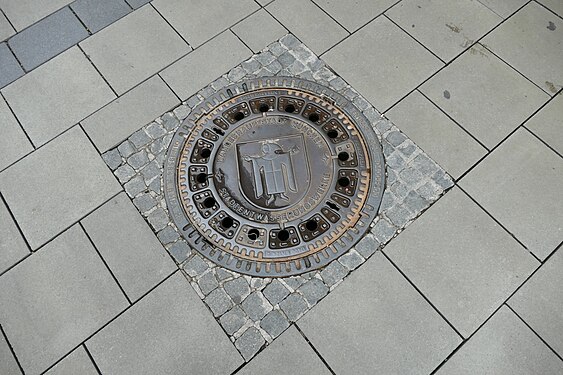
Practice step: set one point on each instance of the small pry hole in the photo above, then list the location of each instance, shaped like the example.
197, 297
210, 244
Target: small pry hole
343, 181
253, 234
201, 178
311, 225
283, 235
227, 222
333, 133
314, 117
239, 116
209, 202
343, 156
290, 108
264, 107
205, 153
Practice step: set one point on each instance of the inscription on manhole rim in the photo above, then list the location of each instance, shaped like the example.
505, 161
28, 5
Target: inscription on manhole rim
274, 176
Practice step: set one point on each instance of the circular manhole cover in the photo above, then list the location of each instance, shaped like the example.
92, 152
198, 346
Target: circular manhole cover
274, 176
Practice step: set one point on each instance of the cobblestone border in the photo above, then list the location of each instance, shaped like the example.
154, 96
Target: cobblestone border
254, 311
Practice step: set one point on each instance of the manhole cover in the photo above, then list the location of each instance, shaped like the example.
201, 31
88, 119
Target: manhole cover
274, 176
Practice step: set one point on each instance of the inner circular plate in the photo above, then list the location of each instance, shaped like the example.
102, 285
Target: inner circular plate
274, 176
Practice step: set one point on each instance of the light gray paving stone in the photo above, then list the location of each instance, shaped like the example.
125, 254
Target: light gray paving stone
238, 289
256, 306
134, 48
8, 364
548, 122
249, 343
128, 113
555, 6
178, 333
274, 323
124, 173
258, 30
155, 130
56, 185
289, 354
126, 149
127, 244
487, 97
192, 18
313, 291
294, 306
407, 334
23, 13
135, 186
195, 70
12, 245
454, 149
98, 14
13, 143
77, 362
309, 23
275, 292
503, 8
55, 299
57, 95
233, 320
461, 260
503, 346
6, 30
530, 181
446, 27
10, 69
218, 301
539, 302
539, 39
356, 14
138, 159
158, 219
47, 38
383, 73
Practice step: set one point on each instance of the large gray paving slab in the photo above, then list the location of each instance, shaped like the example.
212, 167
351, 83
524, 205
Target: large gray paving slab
23, 13
308, 23
539, 302
199, 20
446, 27
55, 299
519, 184
8, 364
171, 330
258, 30
537, 51
461, 260
10, 69
289, 354
6, 30
377, 323
129, 247
503, 8
382, 68
191, 73
548, 124
137, 3
440, 137
555, 6
56, 185
128, 113
12, 245
503, 346
57, 95
484, 95
76, 363
97, 14
47, 38
354, 14
134, 48
13, 143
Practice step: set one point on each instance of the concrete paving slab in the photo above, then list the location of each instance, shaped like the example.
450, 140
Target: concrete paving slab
76, 363
353, 15
383, 73
134, 48
8, 364
308, 23
461, 260
200, 20
55, 299
258, 30
12, 245
10, 69
555, 6
57, 95
57, 185
23, 13
446, 27
170, 330
137, 3
190, 74
503, 8
503, 346
118, 120
97, 14
47, 38
454, 149
520, 185
289, 354
129, 247
537, 52
13, 143
548, 123
484, 95
6, 30
376, 322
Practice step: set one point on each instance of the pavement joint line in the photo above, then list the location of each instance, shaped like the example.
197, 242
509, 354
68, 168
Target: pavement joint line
97, 70
239, 38
167, 85
110, 321
556, 15
91, 358
169, 24
17, 59
90, 33
331, 17
10, 22
16, 223
129, 5
21, 126
489, 8
542, 141
3, 333
315, 350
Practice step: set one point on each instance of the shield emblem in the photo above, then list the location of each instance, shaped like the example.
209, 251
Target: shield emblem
274, 173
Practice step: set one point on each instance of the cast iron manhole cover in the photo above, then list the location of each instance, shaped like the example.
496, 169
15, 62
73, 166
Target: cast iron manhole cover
274, 176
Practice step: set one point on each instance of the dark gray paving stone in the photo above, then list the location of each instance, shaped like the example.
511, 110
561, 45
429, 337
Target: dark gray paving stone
170, 331
97, 14
137, 3
8, 364
77, 362
249, 343
55, 299
10, 70
274, 323
47, 38
23, 13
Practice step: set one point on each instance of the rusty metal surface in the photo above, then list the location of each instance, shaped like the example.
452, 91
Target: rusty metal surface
274, 177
